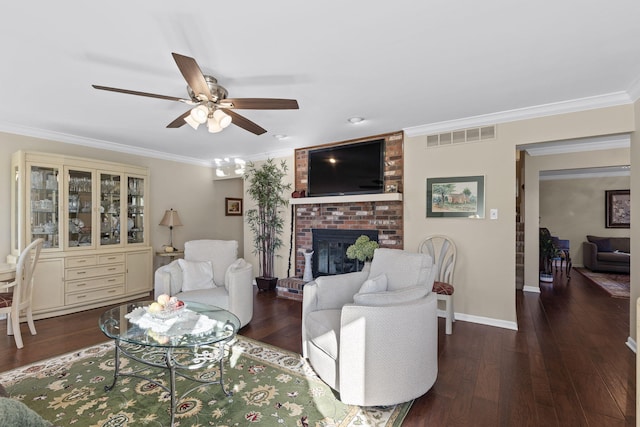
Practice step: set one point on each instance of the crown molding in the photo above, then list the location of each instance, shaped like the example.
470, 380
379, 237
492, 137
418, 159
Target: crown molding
607, 142
122, 148
634, 90
562, 107
104, 145
602, 172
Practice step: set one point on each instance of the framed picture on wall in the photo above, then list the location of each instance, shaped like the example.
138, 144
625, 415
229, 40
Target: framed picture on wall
460, 196
618, 208
232, 206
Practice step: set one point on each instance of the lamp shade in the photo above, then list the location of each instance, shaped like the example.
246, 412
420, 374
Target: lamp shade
170, 219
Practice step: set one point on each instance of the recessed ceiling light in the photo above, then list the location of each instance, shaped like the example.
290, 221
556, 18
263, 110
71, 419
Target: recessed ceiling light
355, 120
279, 136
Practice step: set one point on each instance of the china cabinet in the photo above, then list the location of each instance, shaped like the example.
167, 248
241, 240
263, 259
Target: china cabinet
91, 215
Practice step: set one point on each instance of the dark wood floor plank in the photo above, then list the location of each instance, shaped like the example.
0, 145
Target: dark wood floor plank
566, 365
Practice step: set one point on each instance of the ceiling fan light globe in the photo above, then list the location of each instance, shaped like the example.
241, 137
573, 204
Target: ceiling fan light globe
213, 125
191, 122
223, 118
200, 114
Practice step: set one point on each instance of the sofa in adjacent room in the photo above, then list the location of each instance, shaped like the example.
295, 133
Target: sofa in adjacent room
607, 254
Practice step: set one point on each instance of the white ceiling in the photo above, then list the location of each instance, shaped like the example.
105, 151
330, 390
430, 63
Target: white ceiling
406, 64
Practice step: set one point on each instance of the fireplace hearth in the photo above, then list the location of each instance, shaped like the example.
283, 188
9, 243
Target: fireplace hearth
330, 247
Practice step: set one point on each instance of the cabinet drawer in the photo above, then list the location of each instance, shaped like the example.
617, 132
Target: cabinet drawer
110, 258
94, 295
99, 282
105, 270
80, 261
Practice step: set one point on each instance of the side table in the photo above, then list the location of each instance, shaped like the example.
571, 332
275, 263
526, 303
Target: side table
166, 257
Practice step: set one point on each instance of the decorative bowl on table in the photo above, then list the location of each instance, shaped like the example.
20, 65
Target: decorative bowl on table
167, 313
166, 307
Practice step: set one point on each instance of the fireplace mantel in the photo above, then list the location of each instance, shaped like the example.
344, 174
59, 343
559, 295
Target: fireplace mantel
381, 197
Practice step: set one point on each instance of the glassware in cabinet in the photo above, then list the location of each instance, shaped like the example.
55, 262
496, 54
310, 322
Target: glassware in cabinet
110, 191
80, 212
44, 212
135, 209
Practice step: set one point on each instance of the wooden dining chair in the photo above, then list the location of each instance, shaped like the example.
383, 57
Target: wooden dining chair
15, 297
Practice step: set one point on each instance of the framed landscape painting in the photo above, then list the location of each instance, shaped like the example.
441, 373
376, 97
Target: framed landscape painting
461, 197
618, 208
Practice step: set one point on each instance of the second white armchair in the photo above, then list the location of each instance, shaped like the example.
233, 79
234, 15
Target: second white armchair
210, 273
373, 336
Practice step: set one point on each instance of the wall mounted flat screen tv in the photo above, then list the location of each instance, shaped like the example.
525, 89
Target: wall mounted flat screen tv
356, 168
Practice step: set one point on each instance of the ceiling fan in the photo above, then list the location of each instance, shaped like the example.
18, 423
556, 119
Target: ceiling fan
210, 100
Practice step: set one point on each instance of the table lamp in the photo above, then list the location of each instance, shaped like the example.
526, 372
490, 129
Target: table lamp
170, 219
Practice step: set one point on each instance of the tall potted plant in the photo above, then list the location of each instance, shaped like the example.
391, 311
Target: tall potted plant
548, 251
267, 189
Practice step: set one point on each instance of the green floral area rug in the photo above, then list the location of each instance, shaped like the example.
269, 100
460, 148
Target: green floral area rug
271, 387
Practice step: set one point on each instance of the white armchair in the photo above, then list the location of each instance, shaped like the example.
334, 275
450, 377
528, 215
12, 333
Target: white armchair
373, 335
210, 273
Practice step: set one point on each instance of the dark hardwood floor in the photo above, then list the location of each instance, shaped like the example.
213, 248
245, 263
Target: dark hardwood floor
567, 365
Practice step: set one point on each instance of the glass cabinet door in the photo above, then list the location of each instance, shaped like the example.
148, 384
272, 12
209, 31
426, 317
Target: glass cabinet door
44, 209
109, 209
135, 209
80, 203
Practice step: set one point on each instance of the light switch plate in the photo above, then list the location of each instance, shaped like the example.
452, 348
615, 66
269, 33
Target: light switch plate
493, 214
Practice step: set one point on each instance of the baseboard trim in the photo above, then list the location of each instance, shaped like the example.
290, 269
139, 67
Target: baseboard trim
534, 289
631, 343
486, 321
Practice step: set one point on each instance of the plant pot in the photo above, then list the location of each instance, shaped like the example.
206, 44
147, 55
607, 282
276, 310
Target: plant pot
266, 283
546, 277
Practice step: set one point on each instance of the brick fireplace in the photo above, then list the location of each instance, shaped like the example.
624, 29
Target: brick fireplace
383, 215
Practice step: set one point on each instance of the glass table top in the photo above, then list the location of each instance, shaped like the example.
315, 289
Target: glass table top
196, 325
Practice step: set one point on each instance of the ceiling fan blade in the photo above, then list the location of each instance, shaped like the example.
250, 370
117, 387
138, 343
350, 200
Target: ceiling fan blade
179, 121
244, 123
262, 103
192, 74
135, 92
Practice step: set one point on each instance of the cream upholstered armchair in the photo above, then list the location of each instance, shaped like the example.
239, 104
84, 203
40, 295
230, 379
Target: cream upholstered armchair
373, 335
210, 273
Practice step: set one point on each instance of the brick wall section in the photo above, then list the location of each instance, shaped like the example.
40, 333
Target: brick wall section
386, 217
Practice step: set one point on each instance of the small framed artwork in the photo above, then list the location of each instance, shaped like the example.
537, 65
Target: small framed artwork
460, 196
232, 206
618, 208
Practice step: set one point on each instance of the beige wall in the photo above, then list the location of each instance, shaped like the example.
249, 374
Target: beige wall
485, 272
187, 188
228, 227
485, 266
573, 208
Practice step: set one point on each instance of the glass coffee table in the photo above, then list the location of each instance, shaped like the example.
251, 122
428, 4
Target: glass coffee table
179, 342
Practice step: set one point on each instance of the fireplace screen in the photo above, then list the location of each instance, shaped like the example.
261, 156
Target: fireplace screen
330, 250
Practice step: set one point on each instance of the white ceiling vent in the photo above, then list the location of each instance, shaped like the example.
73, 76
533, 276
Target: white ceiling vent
460, 136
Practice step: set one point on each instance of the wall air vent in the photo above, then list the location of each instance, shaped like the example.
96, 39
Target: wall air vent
461, 136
